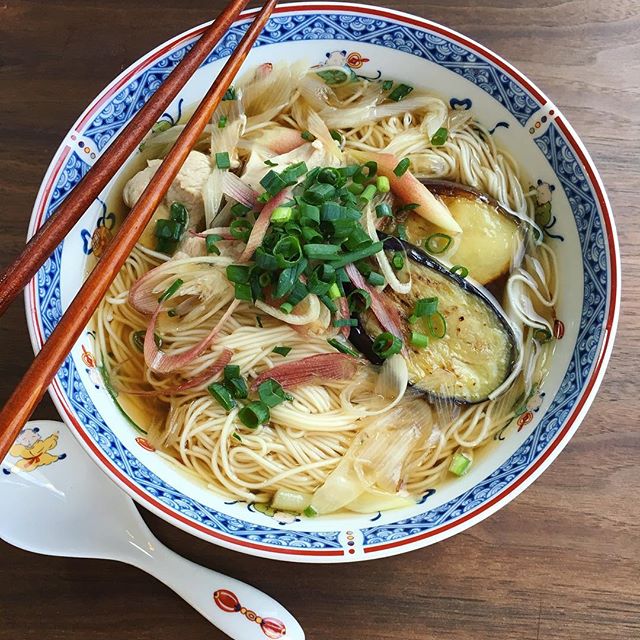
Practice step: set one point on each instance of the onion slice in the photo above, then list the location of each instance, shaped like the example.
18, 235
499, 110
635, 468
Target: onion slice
325, 366
162, 362
210, 372
262, 224
234, 187
387, 315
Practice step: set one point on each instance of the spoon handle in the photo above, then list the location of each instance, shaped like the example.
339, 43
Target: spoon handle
238, 609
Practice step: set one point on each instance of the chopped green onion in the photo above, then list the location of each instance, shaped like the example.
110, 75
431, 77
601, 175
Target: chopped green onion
179, 214
291, 174
231, 371
237, 387
357, 239
307, 135
320, 251
264, 279
239, 209
309, 212
270, 163
397, 261
264, 198
273, 184
402, 166
329, 175
459, 464
360, 176
254, 414
281, 215
401, 231
459, 270
243, 292
368, 193
222, 395
238, 273
240, 229
265, 260
210, 243
345, 322
419, 340
286, 280
387, 345
342, 347
222, 160
235, 436
349, 171
159, 127
376, 279
425, 307
440, 137
282, 351
271, 393
321, 279
354, 256
336, 135
334, 291
286, 307
230, 94
319, 193
383, 210
437, 243
172, 313
401, 91
387, 84
355, 188
169, 230
298, 293
222, 122
310, 512
437, 327
382, 184
359, 300
171, 290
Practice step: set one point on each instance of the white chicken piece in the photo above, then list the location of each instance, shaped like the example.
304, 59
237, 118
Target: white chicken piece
186, 188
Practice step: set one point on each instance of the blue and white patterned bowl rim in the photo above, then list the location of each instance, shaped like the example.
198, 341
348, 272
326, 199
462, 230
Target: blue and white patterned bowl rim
568, 162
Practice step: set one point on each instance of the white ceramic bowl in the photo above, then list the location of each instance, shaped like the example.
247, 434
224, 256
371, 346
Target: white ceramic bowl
375, 43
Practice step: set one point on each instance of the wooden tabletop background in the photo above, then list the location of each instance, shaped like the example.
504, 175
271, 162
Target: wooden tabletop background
561, 562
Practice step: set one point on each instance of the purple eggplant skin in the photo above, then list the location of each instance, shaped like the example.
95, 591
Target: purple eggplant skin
362, 341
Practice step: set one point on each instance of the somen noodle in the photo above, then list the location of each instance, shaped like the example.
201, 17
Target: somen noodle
307, 397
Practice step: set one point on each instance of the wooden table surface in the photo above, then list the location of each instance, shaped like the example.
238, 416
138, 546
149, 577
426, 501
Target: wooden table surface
560, 562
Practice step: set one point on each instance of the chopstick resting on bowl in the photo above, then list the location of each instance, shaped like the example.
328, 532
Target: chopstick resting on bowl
47, 362
18, 274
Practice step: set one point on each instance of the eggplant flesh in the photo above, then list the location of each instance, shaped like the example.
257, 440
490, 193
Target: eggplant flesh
491, 237
477, 353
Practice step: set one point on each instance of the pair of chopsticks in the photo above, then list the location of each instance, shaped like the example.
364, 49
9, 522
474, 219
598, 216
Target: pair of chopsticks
54, 351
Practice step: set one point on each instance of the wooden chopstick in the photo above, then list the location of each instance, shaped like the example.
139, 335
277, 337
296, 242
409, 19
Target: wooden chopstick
18, 274
47, 362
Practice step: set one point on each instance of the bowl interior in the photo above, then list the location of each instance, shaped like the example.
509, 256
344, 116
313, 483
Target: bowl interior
377, 44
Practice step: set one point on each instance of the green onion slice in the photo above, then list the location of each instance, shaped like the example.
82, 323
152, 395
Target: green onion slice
419, 340
282, 351
437, 325
254, 414
342, 347
387, 345
440, 137
437, 243
459, 270
171, 290
402, 167
222, 395
222, 160
459, 464
271, 393
359, 301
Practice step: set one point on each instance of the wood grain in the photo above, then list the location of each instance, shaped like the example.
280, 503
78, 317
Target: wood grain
561, 562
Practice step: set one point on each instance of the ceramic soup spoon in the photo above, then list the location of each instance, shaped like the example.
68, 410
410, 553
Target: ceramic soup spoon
62, 490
